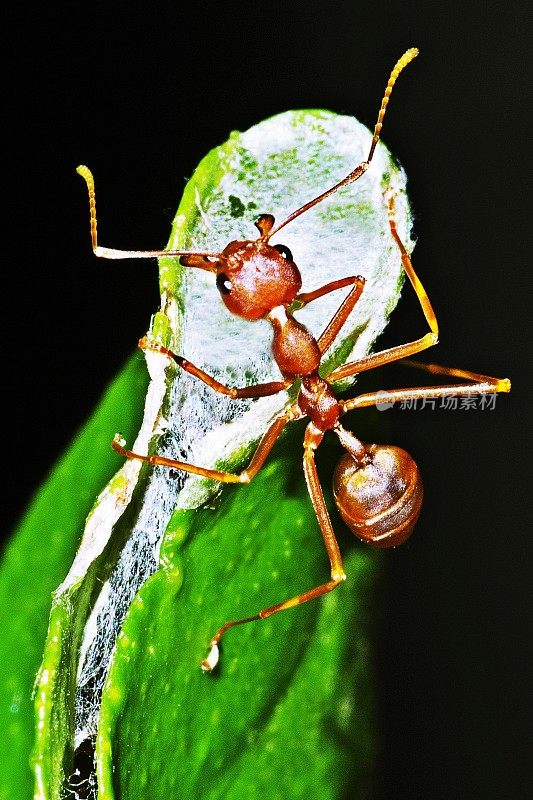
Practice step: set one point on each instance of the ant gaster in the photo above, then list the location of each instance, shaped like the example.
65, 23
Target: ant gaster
377, 488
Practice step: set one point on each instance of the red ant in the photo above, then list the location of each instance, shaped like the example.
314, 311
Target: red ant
377, 488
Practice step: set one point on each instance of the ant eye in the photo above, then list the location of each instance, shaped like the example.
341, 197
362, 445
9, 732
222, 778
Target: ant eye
284, 250
223, 283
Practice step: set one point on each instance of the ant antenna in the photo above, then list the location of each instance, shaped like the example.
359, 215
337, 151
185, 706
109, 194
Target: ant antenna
108, 252
363, 166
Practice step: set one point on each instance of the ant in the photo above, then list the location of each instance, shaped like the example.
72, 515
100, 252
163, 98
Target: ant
377, 488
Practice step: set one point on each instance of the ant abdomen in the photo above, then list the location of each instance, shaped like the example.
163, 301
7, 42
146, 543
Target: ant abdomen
379, 497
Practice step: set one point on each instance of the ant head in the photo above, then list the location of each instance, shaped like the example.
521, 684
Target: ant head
253, 277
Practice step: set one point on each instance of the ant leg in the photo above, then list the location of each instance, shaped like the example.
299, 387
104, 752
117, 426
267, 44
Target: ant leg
486, 385
330, 333
402, 350
263, 449
481, 384
313, 437
108, 252
304, 298
437, 369
258, 390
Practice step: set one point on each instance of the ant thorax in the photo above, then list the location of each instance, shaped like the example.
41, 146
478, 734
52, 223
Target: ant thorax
317, 401
295, 349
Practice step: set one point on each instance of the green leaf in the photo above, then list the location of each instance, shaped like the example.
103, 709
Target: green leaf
38, 557
288, 712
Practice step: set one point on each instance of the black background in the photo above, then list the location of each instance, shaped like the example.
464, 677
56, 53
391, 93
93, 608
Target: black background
141, 92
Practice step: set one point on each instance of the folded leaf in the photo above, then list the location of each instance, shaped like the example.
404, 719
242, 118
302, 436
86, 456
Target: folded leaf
165, 559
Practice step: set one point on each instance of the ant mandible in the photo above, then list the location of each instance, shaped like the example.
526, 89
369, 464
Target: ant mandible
377, 488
